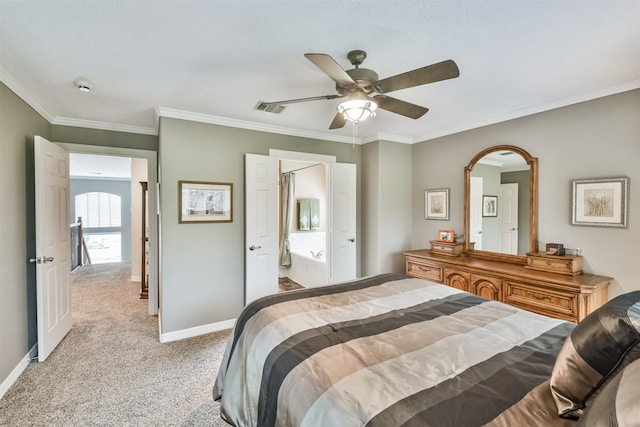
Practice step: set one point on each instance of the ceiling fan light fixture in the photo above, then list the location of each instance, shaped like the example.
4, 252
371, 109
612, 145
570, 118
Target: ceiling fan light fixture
358, 108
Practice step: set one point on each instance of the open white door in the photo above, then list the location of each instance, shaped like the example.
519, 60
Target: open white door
261, 226
343, 222
508, 213
53, 247
475, 211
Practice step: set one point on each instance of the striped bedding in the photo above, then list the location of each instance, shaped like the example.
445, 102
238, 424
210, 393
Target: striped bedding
387, 350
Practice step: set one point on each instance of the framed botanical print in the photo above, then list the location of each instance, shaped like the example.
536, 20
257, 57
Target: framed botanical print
600, 202
489, 205
436, 204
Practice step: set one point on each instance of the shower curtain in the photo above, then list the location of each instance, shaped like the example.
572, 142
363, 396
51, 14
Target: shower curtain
287, 194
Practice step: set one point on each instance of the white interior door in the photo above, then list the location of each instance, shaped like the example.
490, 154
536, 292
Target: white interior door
53, 247
508, 216
475, 211
261, 226
343, 222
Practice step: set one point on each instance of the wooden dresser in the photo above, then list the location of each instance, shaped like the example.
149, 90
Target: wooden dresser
564, 296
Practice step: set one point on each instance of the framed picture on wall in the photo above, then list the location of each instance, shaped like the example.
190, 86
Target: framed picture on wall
489, 205
600, 202
436, 204
200, 201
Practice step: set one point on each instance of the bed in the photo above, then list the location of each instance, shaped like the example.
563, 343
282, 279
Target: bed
391, 350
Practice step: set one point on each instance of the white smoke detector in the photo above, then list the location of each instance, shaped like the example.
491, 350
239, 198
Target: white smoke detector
83, 84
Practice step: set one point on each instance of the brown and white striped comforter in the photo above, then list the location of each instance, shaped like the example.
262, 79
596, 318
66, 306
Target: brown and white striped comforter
387, 350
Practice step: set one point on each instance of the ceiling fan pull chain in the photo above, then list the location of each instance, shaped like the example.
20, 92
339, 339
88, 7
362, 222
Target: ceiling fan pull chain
354, 132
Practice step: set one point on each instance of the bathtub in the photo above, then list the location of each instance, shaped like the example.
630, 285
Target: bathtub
308, 259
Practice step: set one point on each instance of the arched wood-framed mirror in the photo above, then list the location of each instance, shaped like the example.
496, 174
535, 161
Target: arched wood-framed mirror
487, 209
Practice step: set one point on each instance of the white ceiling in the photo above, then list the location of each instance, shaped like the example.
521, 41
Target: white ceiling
214, 60
99, 167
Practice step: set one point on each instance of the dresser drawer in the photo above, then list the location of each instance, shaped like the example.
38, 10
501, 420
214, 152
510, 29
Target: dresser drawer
541, 300
424, 270
570, 265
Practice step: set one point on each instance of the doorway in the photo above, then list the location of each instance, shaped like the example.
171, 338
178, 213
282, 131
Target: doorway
149, 174
262, 216
303, 224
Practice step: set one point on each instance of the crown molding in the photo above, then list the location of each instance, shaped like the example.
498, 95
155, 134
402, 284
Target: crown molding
244, 124
381, 136
20, 90
535, 109
91, 124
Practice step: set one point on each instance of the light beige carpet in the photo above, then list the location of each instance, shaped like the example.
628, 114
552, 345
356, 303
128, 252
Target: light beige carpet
111, 369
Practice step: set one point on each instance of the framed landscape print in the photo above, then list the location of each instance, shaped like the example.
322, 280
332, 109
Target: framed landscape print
204, 202
600, 202
436, 204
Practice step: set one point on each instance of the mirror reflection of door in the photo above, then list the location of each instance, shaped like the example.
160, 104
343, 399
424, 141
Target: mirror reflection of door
508, 217
475, 212
506, 175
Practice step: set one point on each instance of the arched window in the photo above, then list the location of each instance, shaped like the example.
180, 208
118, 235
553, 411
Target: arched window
99, 210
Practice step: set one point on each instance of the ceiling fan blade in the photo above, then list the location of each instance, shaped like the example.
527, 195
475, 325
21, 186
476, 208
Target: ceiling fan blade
338, 121
397, 106
330, 67
431, 73
294, 101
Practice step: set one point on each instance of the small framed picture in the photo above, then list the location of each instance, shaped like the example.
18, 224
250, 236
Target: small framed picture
446, 236
200, 201
600, 202
489, 205
436, 204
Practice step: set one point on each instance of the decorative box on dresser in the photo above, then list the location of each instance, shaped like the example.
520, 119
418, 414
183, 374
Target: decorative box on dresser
562, 291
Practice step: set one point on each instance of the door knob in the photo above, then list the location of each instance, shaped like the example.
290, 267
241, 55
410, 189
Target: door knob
352, 239
253, 248
41, 259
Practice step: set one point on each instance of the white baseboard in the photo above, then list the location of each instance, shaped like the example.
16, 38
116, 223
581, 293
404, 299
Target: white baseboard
17, 371
198, 330
136, 278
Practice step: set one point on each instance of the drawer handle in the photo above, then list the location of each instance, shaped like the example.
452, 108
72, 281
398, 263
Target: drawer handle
424, 268
540, 297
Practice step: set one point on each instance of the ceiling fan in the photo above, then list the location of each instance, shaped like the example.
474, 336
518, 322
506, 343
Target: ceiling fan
358, 84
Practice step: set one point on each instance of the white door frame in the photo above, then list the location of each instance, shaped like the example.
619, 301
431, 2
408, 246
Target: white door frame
155, 291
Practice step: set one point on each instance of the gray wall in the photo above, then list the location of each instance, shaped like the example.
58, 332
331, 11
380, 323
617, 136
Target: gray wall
599, 138
119, 188
202, 265
18, 331
386, 188
106, 138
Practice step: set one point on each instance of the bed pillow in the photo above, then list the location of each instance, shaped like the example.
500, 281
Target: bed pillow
617, 402
601, 345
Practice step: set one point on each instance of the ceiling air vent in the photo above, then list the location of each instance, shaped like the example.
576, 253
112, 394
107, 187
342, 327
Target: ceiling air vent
269, 108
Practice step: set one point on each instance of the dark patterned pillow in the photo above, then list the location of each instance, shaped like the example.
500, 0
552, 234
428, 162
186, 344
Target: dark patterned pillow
617, 403
595, 351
